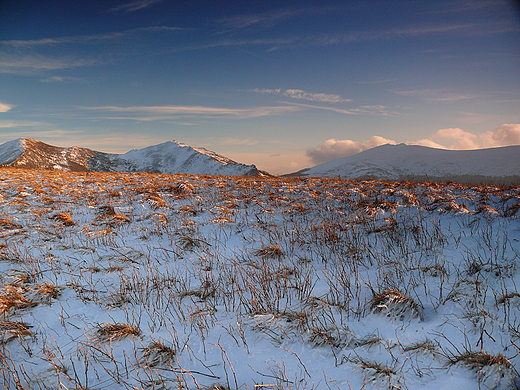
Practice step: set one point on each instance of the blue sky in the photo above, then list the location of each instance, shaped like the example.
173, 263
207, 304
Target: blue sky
281, 84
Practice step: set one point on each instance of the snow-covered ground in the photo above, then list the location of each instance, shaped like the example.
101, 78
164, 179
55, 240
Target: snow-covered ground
142, 281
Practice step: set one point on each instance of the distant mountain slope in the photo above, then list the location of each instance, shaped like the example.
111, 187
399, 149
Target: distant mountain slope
413, 162
174, 157
31, 153
169, 157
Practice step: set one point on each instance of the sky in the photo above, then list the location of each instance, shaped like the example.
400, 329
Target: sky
283, 85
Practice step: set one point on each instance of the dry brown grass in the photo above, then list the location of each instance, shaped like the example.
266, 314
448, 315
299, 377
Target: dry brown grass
375, 369
422, 346
11, 330
269, 252
476, 360
157, 354
7, 224
391, 303
112, 332
63, 217
47, 291
14, 300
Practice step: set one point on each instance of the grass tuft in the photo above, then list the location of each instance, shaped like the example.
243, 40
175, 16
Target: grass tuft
157, 354
64, 217
391, 303
11, 330
111, 332
269, 252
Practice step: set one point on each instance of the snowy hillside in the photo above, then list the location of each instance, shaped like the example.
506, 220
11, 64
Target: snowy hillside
174, 157
402, 162
31, 153
168, 157
11, 150
118, 281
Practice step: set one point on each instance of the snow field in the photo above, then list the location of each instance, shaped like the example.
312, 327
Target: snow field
147, 281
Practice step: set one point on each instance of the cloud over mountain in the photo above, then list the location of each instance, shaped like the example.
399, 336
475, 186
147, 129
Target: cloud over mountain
332, 148
449, 138
459, 139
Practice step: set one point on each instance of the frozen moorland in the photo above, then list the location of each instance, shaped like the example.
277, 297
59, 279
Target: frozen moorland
148, 281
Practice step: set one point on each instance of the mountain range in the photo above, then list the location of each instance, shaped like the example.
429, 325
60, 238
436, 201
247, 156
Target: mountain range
386, 162
413, 162
169, 157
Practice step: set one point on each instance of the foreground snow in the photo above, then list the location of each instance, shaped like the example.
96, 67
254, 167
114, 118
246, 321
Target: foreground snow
139, 281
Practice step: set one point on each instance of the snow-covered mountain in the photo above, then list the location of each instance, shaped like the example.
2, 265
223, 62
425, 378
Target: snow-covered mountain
173, 157
169, 157
412, 162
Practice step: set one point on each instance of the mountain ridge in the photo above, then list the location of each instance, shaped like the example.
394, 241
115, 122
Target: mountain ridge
170, 157
500, 165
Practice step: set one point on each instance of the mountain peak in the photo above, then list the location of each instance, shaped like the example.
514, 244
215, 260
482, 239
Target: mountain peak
170, 157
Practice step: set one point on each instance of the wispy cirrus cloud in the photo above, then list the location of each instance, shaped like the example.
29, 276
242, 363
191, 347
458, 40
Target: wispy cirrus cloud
33, 64
89, 39
303, 95
153, 113
437, 95
376, 109
38, 55
391, 33
265, 19
62, 79
135, 5
6, 124
40, 134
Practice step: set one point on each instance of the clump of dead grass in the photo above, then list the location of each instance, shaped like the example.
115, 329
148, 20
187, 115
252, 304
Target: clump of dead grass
476, 360
112, 332
7, 224
269, 252
330, 336
13, 298
493, 371
391, 303
426, 345
47, 290
11, 330
157, 354
63, 217
106, 211
374, 371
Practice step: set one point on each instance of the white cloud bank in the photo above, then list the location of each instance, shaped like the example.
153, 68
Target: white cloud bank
451, 138
332, 148
459, 139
